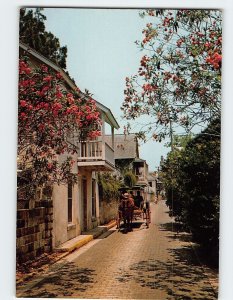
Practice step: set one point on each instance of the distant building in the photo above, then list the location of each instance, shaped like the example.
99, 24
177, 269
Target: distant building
152, 181
127, 158
125, 150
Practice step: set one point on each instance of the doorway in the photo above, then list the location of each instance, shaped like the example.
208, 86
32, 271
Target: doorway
84, 204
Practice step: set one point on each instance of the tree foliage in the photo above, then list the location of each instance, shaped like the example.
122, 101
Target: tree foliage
108, 186
179, 79
192, 181
129, 179
179, 141
124, 165
49, 117
33, 33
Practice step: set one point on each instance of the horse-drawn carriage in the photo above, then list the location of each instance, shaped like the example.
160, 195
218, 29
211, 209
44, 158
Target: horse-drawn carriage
128, 212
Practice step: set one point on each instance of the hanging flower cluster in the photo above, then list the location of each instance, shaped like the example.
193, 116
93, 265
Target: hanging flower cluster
215, 60
49, 116
179, 77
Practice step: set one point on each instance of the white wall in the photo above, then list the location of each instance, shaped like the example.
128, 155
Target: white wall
62, 230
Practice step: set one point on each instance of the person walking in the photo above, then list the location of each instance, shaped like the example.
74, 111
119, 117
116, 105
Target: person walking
120, 209
138, 200
146, 210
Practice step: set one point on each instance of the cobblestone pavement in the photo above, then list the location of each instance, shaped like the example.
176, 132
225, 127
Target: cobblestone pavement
154, 263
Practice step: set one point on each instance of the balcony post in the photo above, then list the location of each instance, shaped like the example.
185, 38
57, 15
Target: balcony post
103, 136
144, 171
112, 128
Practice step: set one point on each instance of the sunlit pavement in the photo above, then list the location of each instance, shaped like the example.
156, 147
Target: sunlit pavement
154, 263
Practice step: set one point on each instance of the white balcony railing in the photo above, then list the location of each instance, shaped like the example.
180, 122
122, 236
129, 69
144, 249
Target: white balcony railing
90, 150
95, 151
109, 154
140, 177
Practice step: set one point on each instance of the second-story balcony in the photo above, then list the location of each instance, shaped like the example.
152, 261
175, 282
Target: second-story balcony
141, 171
141, 179
96, 156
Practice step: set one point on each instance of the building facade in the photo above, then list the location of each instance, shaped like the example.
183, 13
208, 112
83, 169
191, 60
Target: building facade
73, 208
127, 159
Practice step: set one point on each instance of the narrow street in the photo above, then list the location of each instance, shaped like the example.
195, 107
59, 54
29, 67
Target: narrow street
153, 263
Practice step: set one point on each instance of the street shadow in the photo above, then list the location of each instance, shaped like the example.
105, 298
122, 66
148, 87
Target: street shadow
177, 231
124, 230
173, 227
135, 225
180, 280
61, 281
106, 234
181, 276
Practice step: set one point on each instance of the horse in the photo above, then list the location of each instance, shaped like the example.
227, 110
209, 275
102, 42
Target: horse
125, 212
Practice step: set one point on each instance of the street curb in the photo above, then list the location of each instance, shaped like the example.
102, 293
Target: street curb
89, 236
111, 225
72, 245
107, 227
86, 240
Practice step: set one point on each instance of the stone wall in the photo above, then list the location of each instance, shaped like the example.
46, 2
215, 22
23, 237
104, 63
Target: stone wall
34, 229
108, 210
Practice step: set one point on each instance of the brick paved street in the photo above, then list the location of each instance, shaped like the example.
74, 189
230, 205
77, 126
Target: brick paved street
153, 263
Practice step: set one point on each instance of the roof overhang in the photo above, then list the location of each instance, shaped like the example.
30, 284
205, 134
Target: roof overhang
109, 118
139, 160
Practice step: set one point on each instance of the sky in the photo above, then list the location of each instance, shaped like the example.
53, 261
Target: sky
101, 53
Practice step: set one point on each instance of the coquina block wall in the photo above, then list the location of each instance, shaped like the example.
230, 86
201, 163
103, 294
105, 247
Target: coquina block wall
108, 210
34, 229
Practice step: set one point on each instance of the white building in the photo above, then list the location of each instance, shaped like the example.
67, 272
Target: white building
76, 207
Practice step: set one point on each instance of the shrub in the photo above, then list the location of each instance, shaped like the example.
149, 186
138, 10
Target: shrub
129, 179
192, 183
108, 186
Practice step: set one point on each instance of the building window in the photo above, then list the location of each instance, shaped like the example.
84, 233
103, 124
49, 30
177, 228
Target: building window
70, 194
93, 198
150, 183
